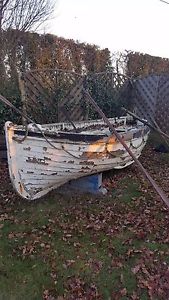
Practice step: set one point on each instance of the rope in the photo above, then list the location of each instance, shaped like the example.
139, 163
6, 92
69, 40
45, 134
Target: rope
21, 140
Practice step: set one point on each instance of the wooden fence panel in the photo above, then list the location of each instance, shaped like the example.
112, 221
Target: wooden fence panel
151, 99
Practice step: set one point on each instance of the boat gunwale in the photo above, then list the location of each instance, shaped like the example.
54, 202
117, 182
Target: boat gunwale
85, 137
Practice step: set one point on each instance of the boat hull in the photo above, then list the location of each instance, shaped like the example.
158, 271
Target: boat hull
39, 164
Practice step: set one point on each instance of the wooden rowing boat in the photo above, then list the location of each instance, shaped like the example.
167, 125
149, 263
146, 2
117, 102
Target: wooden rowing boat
43, 157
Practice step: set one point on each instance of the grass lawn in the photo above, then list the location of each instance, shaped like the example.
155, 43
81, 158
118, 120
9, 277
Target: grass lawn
86, 247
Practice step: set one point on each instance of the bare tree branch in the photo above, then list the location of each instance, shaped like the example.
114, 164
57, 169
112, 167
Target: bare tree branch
164, 1
24, 14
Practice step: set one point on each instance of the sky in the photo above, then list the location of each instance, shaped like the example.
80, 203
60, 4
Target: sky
137, 25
